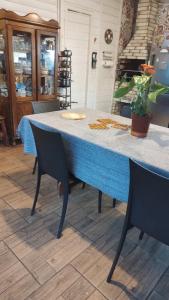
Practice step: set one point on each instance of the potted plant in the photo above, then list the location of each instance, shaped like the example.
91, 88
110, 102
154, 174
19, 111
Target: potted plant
146, 92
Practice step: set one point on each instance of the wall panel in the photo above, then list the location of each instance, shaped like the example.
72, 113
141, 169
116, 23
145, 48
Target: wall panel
104, 14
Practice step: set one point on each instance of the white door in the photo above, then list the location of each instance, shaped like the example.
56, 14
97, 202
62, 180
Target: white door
77, 35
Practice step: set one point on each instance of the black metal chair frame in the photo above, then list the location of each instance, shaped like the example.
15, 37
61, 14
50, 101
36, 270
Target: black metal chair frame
160, 111
39, 107
147, 208
50, 147
52, 161
49, 106
125, 111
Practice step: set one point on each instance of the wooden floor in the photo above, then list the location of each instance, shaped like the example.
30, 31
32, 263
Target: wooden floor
35, 265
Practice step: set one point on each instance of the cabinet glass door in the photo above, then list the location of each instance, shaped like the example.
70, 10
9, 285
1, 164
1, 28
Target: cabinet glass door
23, 68
3, 74
46, 65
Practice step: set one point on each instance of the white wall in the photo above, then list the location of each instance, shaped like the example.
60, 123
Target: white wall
104, 14
47, 9
110, 18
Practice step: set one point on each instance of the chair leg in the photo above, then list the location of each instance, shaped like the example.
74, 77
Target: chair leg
141, 235
64, 209
35, 164
114, 202
120, 246
70, 190
36, 194
100, 202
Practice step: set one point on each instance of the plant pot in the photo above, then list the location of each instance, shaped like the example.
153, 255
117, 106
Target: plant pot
140, 125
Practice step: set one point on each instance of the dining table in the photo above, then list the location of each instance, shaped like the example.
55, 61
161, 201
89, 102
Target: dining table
100, 157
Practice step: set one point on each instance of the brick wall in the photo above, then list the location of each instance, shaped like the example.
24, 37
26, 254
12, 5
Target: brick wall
140, 44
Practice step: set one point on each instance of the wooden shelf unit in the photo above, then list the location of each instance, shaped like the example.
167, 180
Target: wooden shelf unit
29, 45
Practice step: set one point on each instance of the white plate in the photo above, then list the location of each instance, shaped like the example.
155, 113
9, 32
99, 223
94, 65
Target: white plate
73, 116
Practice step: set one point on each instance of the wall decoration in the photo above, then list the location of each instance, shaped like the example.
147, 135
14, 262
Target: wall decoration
127, 23
108, 36
160, 46
161, 36
107, 59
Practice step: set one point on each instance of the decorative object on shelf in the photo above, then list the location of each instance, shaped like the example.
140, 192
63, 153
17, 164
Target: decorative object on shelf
146, 92
108, 36
64, 78
64, 74
65, 63
64, 82
2, 42
47, 65
66, 53
3, 75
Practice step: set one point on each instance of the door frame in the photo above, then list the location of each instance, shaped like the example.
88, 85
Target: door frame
81, 10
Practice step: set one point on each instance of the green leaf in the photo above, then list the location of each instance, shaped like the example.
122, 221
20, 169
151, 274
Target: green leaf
156, 86
123, 79
160, 91
122, 91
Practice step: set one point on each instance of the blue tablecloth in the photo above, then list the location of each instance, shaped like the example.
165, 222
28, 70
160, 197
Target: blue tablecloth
100, 157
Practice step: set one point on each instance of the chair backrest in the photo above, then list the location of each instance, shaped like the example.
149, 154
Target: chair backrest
125, 111
148, 205
50, 153
160, 111
45, 106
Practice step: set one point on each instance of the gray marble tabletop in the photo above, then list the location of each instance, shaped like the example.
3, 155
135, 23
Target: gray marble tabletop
152, 150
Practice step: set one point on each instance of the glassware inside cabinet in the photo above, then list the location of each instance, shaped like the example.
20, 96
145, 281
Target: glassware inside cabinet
47, 65
3, 75
22, 59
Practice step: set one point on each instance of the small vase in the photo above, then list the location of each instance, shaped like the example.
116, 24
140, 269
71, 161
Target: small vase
140, 125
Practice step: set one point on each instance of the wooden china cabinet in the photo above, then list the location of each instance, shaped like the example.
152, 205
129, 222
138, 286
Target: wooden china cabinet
28, 64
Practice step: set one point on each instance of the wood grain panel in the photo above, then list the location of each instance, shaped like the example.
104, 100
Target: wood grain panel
57, 285
81, 289
35, 265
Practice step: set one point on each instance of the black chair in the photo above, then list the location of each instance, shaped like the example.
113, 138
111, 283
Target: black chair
160, 111
52, 161
148, 207
49, 106
125, 111
39, 107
